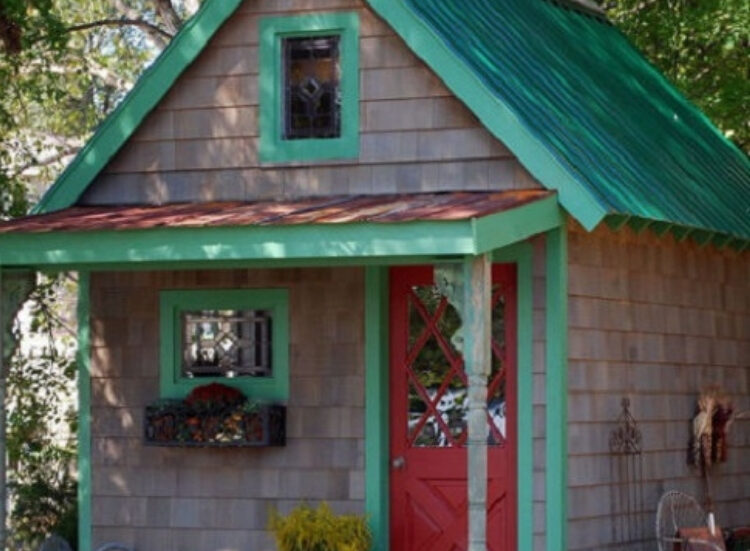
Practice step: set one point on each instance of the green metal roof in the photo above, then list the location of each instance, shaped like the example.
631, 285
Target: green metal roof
563, 89
571, 81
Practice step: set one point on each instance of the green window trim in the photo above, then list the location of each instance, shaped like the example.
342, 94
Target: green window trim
173, 302
274, 149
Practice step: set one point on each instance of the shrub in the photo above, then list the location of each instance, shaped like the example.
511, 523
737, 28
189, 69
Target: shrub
308, 529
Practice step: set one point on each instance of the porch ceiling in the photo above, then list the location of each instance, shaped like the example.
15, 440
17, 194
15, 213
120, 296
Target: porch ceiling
433, 224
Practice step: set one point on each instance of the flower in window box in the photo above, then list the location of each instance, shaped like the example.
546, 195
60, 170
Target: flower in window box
214, 397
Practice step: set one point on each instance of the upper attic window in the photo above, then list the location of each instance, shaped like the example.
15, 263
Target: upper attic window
309, 87
312, 106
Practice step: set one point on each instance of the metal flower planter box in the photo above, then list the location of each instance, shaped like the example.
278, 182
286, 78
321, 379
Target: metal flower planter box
173, 423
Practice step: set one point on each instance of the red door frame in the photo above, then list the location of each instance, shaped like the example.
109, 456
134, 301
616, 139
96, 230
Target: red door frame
502, 460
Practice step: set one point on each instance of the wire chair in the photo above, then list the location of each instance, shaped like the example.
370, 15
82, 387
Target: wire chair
55, 543
677, 511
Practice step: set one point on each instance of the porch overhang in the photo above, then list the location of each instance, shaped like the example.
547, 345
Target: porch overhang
339, 229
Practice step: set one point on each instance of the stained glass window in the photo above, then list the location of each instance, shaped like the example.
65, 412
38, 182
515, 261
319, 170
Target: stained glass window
312, 73
227, 343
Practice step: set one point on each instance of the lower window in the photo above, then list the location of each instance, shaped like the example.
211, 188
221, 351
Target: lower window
235, 337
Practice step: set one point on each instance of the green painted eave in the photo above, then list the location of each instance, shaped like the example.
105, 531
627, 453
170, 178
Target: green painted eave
582, 109
306, 243
150, 89
680, 232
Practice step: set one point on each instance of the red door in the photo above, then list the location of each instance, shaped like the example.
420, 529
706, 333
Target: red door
428, 417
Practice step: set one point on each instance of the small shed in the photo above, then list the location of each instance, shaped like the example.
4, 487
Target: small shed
434, 243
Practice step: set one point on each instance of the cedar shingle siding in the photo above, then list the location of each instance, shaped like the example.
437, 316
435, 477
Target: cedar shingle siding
656, 321
200, 499
201, 142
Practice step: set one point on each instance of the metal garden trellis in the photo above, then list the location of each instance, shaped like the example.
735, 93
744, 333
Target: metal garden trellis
626, 452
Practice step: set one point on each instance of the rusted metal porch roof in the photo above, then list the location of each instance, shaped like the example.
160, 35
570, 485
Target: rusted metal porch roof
345, 209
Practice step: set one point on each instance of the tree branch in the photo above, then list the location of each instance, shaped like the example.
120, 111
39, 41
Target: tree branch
168, 15
141, 23
156, 38
39, 163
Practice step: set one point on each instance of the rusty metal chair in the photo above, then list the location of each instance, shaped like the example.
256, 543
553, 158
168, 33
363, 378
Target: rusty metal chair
676, 514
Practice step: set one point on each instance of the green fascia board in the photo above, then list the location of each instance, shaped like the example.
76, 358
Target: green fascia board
238, 243
150, 89
275, 149
505, 228
269, 243
497, 117
172, 303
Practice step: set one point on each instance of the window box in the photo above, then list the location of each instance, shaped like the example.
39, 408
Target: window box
309, 87
229, 420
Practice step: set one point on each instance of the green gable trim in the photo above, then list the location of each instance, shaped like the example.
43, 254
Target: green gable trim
494, 114
275, 149
174, 302
269, 243
153, 85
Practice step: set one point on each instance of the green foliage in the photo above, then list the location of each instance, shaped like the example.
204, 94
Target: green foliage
702, 47
308, 529
64, 65
41, 426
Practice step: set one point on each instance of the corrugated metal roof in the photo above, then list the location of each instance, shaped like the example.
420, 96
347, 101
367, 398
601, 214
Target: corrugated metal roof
617, 125
321, 210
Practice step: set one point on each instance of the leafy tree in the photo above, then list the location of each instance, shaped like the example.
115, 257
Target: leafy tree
64, 65
41, 423
700, 45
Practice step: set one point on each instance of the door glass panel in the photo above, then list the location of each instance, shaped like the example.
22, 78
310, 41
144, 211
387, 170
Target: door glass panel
435, 371
496, 405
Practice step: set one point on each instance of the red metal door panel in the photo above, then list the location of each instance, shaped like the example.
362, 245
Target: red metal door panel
428, 391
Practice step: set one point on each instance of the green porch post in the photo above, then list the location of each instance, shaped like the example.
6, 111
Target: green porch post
84, 412
521, 254
376, 405
557, 389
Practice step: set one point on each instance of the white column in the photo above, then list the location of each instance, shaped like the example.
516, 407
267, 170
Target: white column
477, 323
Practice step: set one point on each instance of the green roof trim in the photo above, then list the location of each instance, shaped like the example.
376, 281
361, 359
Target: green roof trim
150, 89
582, 109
